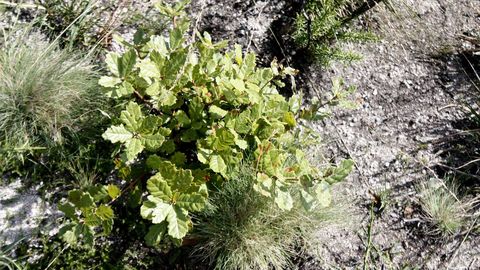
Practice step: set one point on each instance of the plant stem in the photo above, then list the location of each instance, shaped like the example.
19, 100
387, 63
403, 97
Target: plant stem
369, 238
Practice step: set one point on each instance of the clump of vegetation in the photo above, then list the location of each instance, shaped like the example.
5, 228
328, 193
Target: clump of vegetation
321, 29
7, 261
241, 229
44, 94
191, 114
443, 207
85, 24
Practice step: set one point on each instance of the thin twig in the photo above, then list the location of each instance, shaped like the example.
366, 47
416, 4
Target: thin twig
58, 255
258, 18
443, 183
468, 163
458, 171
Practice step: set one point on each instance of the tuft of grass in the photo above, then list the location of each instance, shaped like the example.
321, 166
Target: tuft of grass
443, 208
7, 260
45, 93
242, 229
86, 24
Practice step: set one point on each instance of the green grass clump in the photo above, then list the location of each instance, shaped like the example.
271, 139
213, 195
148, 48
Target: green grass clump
442, 207
242, 229
44, 94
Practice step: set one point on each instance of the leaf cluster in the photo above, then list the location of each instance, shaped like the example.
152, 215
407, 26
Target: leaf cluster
192, 113
86, 211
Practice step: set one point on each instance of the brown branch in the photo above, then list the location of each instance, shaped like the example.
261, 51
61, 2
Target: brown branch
359, 11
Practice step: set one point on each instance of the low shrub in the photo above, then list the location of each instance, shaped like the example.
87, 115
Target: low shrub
192, 114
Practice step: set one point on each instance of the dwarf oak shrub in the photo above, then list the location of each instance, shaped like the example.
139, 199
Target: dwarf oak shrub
191, 115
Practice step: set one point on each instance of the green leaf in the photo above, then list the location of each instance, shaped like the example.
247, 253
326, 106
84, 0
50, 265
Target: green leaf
191, 202
178, 159
148, 70
155, 209
182, 118
217, 164
98, 193
126, 63
67, 233
295, 103
107, 226
243, 122
159, 188
167, 98
340, 172
85, 233
238, 84
242, 144
238, 54
225, 137
113, 191
133, 148
153, 89
153, 142
195, 108
264, 185
308, 201
92, 220
217, 112
189, 135
135, 198
323, 194
253, 92
176, 38
104, 212
117, 134
125, 89
155, 234
131, 117
157, 43
68, 209
109, 82
181, 180
111, 60
289, 118
80, 199
138, 37
283, 199
177, 222
154, 162
203, 155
